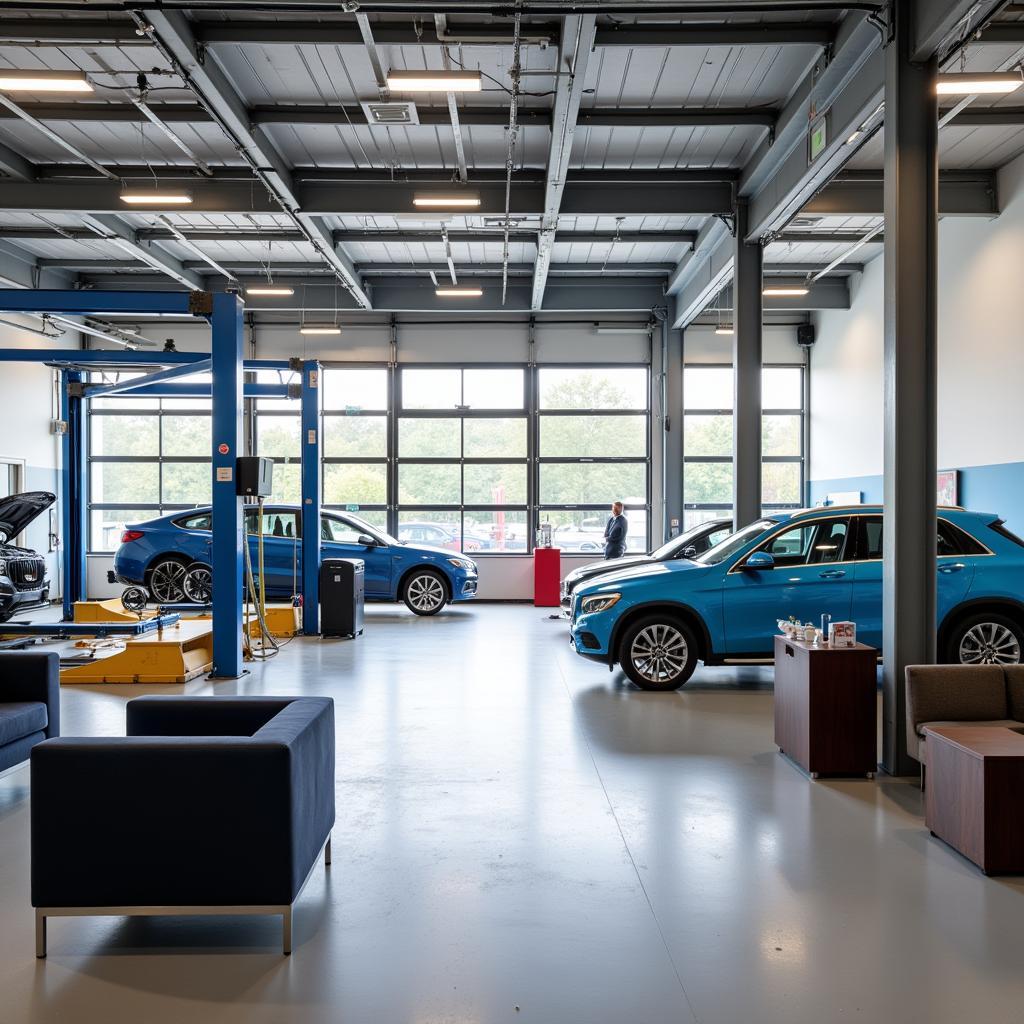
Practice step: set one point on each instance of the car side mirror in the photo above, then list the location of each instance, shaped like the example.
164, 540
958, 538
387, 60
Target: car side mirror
759, 561
367, 541
689, 551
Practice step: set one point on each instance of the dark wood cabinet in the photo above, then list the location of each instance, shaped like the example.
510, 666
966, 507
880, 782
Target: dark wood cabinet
826, 707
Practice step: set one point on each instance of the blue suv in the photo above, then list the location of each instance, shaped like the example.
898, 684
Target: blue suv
658, 621
159, 554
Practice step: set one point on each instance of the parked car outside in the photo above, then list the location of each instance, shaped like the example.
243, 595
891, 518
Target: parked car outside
23, 582
439, 535
156, 554
688, 544
657, 621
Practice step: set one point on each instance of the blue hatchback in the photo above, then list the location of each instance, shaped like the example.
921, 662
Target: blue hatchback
158, 554
658, 621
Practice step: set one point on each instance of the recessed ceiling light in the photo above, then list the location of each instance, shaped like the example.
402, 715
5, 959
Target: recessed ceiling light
269, 290
447, 201
44, 81
964, 84
783, 290
435, 81
459, 293
320, 329
157, 198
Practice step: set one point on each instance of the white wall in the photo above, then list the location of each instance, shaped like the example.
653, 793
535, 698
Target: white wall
702, 345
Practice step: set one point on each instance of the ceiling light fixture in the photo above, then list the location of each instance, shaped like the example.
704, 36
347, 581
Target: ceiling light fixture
724, 329
44, 81
320, 329
272, 289
784, 290
157, 198
976, 83
459, 293
435, 81
442, 201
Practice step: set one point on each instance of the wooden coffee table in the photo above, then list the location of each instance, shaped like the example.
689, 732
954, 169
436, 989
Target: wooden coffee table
973, 793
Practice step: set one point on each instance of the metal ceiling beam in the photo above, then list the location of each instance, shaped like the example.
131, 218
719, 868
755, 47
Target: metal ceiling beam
1003, 33
694, 34
939, 25
516, 235
14, 165
989, 117
825, 238
60, 30
961, 194
169, 113
578, 33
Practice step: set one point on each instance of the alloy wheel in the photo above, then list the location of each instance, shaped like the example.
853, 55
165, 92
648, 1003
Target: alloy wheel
198, 584
426, 593
989, 643
165, 582
659, 652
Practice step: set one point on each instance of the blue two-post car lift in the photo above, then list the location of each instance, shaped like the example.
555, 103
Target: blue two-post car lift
223, 311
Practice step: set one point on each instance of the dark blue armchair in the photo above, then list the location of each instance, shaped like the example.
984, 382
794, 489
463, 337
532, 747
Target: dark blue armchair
29, 703
210, 805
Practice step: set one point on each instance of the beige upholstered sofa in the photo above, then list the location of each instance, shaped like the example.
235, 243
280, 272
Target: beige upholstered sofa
958, 694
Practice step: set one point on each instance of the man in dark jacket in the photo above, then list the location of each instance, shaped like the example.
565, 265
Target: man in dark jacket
615, 533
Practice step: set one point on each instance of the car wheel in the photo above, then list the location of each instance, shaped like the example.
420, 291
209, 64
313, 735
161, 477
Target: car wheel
165, 580
198, 583
425, 592
658, 653
987, 638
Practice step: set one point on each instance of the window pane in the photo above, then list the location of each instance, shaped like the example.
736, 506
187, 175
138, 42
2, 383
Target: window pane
278, 436
277, 377
780, 435
782, 387
495, 439
707, 387
190, 403
356, 437
707, 483
125, 483
495, 484
494, 531
696, 516
120, 401
287, 482
431, 389
125, 435
582, 531
429, 439
615, 388
588, 483
493, 389
429, 485
437, 529
593, 436
187, 483
707, 435
187, 435
355, 485
355, 389
107, 525
780, 483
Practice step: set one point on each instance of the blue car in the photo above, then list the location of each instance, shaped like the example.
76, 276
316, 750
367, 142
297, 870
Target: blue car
159, 555
658, 621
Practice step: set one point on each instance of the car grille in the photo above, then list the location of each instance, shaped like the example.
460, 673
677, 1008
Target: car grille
26, 573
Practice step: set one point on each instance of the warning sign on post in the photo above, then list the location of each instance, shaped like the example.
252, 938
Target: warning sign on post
224, 474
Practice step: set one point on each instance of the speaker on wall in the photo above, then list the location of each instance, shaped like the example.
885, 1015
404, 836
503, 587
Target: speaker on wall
805, 335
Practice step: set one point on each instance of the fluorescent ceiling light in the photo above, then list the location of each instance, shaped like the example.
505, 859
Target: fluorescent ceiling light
784, 289
435, 81
157, 198
624, 329
320, 329
724, 329
459, 293
977, 83
272, 289
853, 136
44, 81
443, 201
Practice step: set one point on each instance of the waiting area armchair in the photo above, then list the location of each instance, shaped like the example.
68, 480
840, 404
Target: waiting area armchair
209, 805
29, 703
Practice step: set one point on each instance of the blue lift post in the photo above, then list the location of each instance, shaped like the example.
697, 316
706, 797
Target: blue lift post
74, 510
311, 497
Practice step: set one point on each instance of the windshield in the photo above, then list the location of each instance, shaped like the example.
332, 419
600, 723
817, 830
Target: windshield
378, 535
734, 542
667, 550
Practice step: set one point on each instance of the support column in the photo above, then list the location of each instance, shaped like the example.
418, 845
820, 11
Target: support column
672, 438
311, 498
228, 531
746, 349
911, 225
73, 499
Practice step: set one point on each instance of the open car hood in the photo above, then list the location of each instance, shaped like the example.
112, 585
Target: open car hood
17, 511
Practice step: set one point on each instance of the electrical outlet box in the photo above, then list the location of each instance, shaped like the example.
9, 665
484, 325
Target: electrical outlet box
58, 426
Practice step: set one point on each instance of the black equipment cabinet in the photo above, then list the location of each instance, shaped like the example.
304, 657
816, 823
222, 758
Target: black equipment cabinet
342, 592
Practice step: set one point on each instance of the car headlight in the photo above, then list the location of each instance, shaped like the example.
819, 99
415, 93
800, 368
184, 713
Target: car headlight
462, 563
598, 603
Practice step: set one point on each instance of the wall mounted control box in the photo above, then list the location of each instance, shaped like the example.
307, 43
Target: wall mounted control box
255, 477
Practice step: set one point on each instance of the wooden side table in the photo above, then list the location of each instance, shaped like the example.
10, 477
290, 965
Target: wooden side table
972, 797
826, 707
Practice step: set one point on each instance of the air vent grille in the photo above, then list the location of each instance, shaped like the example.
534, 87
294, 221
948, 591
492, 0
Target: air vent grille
387, 114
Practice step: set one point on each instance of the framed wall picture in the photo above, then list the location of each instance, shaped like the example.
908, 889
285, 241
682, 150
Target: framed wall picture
948, 483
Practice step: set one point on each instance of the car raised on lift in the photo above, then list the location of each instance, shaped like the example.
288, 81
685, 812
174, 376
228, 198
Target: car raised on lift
658, 621
23, 582
164, 554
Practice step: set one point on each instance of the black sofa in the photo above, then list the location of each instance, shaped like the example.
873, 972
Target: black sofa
209, 805
29, 703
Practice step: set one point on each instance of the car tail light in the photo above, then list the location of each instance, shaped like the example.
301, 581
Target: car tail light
130, 535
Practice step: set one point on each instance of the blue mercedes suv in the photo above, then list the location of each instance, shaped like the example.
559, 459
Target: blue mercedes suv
658, 621
158, 555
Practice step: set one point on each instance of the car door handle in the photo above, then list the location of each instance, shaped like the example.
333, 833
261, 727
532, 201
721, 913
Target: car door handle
952, 567
832, 574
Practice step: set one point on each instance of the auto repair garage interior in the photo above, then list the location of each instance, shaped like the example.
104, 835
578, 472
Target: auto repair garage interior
330, 333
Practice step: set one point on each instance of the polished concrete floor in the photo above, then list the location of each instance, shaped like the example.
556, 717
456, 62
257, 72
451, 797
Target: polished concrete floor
522, 836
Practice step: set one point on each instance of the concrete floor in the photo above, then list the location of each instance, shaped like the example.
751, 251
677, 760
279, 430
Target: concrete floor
523, 837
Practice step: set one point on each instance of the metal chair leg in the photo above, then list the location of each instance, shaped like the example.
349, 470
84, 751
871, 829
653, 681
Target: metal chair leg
327, 852
286, 938
40, 934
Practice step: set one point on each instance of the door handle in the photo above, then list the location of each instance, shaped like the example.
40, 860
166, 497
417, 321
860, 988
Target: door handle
952, 567
832, 574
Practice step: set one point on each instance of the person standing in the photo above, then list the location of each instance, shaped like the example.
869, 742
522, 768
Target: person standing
615, 532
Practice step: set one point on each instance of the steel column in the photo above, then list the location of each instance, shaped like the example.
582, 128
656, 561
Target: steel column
228, 536
746, 415
311, 498
672, 444
74, 509
911, 225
